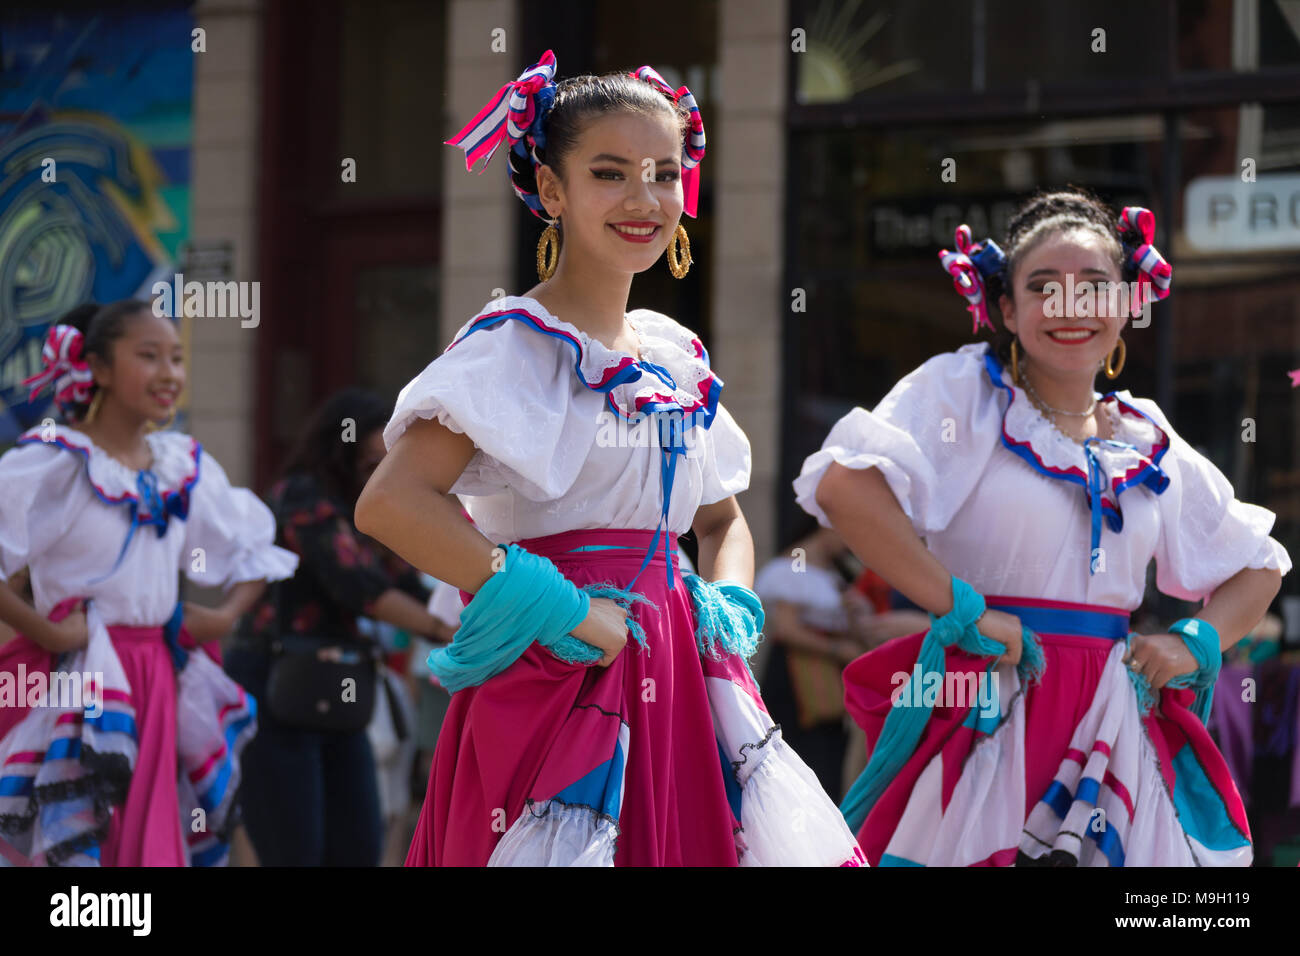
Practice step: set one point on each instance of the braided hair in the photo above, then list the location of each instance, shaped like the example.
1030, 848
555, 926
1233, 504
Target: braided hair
1044, 215
577, 101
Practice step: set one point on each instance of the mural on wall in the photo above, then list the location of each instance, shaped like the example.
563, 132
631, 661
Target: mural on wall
94, 172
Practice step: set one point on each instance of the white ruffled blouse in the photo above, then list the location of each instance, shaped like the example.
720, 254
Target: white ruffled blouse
67, 509
1002, 498
553, 451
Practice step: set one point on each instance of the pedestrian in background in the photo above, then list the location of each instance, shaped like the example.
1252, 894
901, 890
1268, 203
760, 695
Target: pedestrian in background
311, 794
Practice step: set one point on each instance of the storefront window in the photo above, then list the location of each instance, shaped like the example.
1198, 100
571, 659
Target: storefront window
391, 81
871, 206
1214, 35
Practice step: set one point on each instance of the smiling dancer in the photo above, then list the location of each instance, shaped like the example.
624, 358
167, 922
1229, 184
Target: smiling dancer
139, 765
1041, 504
590, 437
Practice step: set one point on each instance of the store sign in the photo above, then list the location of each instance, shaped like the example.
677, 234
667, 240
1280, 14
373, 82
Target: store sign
912, 225
208, 260
1224, 214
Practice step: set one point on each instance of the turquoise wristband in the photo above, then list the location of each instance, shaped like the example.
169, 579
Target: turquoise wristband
1202, 639
526, 600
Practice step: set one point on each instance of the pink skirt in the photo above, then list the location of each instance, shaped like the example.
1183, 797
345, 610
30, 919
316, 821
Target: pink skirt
143, 779
527, 761
1065, 771
146, 829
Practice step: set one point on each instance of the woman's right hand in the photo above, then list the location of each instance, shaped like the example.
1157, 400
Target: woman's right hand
69, 634
1004, 628
604, 628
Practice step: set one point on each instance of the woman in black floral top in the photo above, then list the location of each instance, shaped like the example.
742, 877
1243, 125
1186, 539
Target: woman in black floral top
342, 575
310, 797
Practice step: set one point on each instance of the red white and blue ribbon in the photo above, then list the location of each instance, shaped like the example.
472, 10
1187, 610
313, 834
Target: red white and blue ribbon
692, 146
968, 267
507, 118
63, 365
1137, 229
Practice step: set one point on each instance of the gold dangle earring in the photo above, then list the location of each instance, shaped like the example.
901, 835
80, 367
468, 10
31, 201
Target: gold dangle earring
548, 251
93, 410
1113, 370
1015, 361
679, 253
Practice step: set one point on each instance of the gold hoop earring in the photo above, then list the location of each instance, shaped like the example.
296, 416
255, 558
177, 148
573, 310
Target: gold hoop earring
548, 252
1015, 361
93, 410
1113, 370
679, 253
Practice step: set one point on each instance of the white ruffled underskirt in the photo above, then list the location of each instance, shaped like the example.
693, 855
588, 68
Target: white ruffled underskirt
554, 834
786, 818
214, 722
985, 814
69, 800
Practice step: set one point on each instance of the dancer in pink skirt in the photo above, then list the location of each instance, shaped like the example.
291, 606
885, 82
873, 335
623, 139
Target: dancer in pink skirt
1041, 504
588, 438
118, 746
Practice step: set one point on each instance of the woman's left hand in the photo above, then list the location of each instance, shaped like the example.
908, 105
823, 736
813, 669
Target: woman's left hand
1159, 658
207, 623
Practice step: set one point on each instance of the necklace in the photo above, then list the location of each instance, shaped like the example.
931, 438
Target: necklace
1051, 413
1038, 400
1051, 420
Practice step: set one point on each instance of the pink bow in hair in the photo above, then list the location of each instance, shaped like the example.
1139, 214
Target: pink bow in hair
1137, 229
967, 276
693, 147
63, 365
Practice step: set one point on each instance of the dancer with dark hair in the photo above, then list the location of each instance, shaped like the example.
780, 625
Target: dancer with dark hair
311, 796
139, 767
994, 488
582, 439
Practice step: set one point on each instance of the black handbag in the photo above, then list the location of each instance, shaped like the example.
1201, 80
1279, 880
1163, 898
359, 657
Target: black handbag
308, 693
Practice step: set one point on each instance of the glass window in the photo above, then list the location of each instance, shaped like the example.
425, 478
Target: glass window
1236, 258
397, 306
1216, 35
854, 50
860, 51
390, 89
871, 210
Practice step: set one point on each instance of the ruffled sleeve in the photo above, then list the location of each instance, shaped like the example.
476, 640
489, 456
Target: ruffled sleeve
509, 388
1206, 534
234, 529
39, 501
931, 437
726, 459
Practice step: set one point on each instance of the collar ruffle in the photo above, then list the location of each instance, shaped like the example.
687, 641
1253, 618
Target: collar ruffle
172, 476
671, 381
673, 373
1129, 458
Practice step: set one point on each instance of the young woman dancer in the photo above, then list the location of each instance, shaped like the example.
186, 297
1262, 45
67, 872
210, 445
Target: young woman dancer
1041, 504
139, 765
591, 437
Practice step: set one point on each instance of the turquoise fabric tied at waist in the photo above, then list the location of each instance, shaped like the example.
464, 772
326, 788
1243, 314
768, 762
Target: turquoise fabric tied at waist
1202, 639
728, 616
905, 725
527, 600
